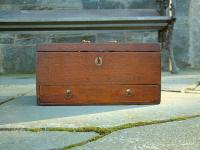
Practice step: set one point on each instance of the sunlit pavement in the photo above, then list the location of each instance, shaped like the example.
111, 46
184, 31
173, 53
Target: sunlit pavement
180, 98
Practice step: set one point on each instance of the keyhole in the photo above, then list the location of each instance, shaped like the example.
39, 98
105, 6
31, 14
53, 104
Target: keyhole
98, 61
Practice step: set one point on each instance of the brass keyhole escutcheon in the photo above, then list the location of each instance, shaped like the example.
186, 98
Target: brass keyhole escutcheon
68, 94
129, 92
98, 61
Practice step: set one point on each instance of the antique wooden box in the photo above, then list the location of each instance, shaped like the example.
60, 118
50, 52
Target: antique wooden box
98, 74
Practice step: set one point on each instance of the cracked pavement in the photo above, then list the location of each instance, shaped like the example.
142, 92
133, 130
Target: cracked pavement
18, 109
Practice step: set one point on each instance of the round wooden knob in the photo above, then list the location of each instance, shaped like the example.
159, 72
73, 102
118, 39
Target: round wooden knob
68, 94
129, 92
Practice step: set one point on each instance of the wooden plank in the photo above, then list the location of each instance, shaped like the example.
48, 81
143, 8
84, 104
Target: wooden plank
45, 26
95, 47
78, 15
65, 68
99, 95
124, 19
90, 26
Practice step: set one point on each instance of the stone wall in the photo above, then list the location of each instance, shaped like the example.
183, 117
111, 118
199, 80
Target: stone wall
194, 50
73, 4
17, 49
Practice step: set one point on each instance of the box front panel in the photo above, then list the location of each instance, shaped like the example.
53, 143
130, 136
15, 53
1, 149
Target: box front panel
77, 68
99, 94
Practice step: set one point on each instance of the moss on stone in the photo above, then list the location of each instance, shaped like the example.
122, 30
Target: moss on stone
102, 132
84, 142
106, 131
34, 129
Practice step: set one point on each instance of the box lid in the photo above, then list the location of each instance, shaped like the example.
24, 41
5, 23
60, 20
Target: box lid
96, 47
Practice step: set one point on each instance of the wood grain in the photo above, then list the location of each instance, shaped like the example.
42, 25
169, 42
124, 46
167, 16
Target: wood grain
94, 47
61, 68
98, 19
99, 95
64, 67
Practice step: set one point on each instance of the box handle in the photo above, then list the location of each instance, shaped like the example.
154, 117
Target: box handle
68, 94
129, 92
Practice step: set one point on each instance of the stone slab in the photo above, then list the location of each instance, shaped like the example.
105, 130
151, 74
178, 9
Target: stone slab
184, 135
14, 86
4, 98
22, 140
24, 112
180, 81
17, 79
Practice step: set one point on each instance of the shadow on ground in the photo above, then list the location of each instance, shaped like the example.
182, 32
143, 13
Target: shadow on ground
25, 109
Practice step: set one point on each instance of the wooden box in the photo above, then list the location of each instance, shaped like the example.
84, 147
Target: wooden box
98, 74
